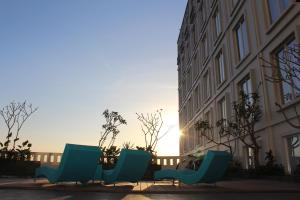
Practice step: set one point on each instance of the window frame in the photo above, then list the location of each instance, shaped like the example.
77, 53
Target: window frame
246, 79
217, 23
222, 107
244, 42
204, 43
292, 161
281, 8
218, 68
206, 86
281, 48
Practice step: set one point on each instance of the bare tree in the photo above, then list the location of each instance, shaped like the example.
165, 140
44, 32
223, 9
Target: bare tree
247, 113
284, 70
151, 125
112, 122
205, 130
14, 116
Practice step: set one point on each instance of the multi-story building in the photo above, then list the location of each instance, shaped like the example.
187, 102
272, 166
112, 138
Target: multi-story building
220, 46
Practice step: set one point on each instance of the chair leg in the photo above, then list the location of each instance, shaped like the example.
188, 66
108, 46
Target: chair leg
173, 182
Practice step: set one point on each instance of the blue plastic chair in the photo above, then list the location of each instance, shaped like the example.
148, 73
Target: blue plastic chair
212, 169
131, 167
78, 163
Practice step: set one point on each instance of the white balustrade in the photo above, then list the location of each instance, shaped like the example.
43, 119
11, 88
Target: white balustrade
54, 159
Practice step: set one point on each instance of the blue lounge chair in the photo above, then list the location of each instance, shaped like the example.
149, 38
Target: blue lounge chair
78, 163
131, 167
212, 169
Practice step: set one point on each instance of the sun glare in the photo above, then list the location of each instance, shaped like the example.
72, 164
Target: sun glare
169, 144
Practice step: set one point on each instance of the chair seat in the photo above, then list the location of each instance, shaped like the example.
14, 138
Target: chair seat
211, 170
46, 171
131, 167
78, 163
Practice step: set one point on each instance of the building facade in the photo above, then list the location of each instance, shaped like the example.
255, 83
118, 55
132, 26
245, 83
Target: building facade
220, 46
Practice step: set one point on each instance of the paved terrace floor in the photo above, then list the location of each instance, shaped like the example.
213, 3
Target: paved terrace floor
11, 188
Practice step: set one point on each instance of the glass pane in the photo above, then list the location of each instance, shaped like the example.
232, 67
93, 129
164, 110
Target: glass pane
294, 151
273, 9
223, 109
240, 42
284, 4
207, 85
217, 23
294, 66
247, 89
245, 38
286, 85
222, 67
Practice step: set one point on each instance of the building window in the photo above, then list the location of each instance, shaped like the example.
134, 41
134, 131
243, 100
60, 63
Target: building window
206, 86
222, 108
250, 157
245, 86
287, 62
207, 118
186, 142
242, 38
294, 152
276, 7
195, 66
184, 116
189, 81
190, 109
191, 138
204, 47
194, 40
195, 98
183, 88
217, 23
220, 67
199, 94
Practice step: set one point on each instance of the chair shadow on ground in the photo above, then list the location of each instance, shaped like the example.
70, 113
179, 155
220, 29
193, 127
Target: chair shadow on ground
169, 186
122, 188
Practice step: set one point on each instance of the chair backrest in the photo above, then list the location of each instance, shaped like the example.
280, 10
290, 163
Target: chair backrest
132, 165
78, 162
213, 167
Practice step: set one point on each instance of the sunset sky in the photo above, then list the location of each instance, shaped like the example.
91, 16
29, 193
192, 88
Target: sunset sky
75, 58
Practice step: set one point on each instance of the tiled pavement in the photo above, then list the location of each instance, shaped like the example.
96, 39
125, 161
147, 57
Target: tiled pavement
27, 189
161, 187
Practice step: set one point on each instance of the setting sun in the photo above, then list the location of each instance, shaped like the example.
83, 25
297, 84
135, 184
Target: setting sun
169, 144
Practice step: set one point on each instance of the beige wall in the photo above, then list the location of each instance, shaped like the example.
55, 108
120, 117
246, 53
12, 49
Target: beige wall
263, 37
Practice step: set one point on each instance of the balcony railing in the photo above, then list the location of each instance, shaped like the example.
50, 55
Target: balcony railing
54, 159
